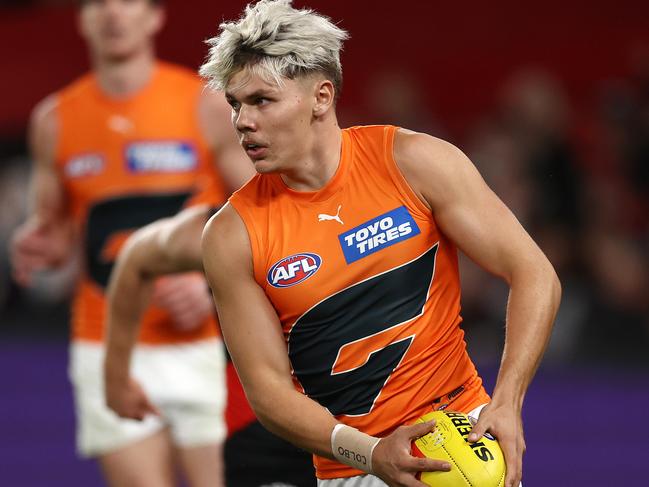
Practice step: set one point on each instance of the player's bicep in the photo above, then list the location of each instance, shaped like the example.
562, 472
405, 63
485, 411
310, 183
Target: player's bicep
466, 210
249, 323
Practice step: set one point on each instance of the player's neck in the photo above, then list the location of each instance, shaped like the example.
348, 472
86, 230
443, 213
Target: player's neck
320, 162
125, 77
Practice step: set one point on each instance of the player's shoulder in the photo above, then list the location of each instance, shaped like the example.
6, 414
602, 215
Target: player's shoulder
422, 155
78, 88
225, 236
364, 131
433, 167
45, 110
179, 74
43, 122
409, 144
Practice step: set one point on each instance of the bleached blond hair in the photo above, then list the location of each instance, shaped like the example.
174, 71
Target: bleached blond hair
275, 41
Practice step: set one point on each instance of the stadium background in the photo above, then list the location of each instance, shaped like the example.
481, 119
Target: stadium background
549, 99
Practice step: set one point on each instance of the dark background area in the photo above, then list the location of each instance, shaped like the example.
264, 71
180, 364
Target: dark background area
551, 102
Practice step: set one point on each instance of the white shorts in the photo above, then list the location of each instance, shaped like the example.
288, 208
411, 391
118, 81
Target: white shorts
186, 382
371, 480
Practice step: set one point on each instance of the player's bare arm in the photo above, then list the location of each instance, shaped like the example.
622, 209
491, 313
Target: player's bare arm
477, 221
167, 246
254, 337
214, 116
44, 240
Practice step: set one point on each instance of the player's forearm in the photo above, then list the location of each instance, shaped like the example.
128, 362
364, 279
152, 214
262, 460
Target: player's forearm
128, 294
533, 302
293, 416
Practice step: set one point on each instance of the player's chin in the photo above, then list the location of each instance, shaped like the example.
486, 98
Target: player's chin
117, 51
264, 166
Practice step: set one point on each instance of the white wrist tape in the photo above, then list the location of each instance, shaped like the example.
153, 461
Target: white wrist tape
353, 447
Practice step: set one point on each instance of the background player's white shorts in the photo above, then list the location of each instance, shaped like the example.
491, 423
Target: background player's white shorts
185, 381
371, 480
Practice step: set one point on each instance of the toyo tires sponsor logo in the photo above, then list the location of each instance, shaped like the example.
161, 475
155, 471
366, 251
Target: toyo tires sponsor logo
293, 269
161, 156
377, 234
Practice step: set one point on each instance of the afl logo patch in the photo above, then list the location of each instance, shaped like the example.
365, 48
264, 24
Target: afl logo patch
293, 270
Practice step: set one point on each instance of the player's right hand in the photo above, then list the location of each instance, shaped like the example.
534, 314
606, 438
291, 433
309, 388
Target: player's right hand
128, 399
392, 460
36, 246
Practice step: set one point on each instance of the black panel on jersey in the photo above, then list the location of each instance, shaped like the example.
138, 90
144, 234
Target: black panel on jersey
358, 312
109, 217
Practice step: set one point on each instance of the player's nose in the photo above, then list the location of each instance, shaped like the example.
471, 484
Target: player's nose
244, 120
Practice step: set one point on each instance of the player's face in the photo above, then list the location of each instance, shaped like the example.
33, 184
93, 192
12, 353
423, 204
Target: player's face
118, 29
274, 123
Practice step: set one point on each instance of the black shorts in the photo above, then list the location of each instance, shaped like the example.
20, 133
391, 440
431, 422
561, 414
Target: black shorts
255, 457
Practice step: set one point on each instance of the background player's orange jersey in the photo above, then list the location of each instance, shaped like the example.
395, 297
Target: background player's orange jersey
366, 288
125, 163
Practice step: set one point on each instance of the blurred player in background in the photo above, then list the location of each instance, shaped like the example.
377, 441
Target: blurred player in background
334, 270
131, 142
253, 456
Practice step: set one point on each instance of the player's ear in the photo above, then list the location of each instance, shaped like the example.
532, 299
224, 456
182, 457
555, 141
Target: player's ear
324, 93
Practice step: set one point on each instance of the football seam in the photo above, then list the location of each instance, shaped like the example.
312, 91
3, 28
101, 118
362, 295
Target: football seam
457, 466
502, 478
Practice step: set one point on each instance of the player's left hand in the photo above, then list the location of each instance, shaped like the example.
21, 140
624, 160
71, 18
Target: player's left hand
505, 423
185, 297
128, 399
393, 462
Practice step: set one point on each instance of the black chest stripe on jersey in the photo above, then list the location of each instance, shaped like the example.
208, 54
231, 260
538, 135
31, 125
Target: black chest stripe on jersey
355, 320
112, 216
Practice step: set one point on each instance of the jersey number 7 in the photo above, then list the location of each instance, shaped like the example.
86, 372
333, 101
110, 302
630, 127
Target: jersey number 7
344, 349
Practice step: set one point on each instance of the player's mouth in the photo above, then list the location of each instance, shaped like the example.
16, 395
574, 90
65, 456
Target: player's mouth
254, 151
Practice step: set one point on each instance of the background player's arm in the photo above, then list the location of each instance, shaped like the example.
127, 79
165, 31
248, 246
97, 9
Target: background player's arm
215, 120
479, 223
167, 246
253, 334
45, 240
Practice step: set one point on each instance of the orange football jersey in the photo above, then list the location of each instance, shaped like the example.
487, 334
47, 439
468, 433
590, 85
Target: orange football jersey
125, 163
367, 290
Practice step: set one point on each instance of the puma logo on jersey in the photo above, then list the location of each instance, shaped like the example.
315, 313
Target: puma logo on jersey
118, 123
324, 217
293, 270
161, 156
378, 233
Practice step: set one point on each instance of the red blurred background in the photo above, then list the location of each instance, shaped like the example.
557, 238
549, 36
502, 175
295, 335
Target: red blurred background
551, 102
459, 52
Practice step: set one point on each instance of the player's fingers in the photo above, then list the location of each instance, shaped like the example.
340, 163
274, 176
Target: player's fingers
23, 270
32, 245
418, 430
148, 407
416, 464
33, 261
410, 480
514, 461
477, 432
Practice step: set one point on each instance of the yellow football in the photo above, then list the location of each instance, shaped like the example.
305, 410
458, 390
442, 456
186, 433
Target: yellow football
472, 464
